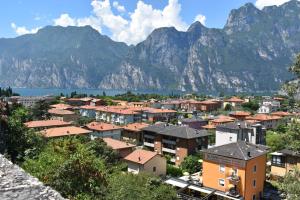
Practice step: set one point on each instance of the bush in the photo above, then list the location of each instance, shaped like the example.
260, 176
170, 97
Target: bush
173, 171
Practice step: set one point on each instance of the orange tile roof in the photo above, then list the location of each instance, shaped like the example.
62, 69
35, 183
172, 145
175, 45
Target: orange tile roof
278, 98
263, 117
64, 131
88, 107
223, 119
140, 156
46, 123
61, 106
60, 112
117, 144
209, 102
240, 113
209, 126
100, 126
157, 111
234, 99
281, 114
135, 127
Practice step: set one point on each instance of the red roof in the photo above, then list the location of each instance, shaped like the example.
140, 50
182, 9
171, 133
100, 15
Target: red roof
64, 131
135, 127
235, 100
100, 126
60, 112
117, 144
263, 117
46, 123
140, 156
281, 114
61, 106
209, 126
240, 113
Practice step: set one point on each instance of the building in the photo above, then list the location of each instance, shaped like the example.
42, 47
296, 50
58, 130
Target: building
122, 148
88, 111
65, 131
240, 131
146, 161
195, 123
240, 115
29, 101
268, 106
104, 130
63, 115
283, 162
281, 114
221, 119
268, 121
205, 106
236, 169
234, 102
153, 115
16, 184
44, 124
133, 133
61, 106
175, 141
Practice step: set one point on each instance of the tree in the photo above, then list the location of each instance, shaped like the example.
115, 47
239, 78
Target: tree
275, 141
251, 106
40, 110
228, 107
191, 164
291, 184
142, 186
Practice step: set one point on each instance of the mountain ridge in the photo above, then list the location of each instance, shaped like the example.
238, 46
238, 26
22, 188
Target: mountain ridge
251, 53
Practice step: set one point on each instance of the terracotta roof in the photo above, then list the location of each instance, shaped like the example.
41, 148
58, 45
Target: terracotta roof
223, 119
85, 99
60, 112
100, 126
209, 102
240, 113
61, 106
278, 98
281, 114
234, 99
156, 111
140, 156
88, 107
136, 127
46, 123
64, 131
209, 126
263, 117
117, 144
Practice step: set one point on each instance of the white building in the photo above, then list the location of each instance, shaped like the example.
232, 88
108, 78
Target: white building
268, 106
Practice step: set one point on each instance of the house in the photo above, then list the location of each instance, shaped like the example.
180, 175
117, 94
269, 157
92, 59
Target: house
281, 114
44, 124
65, 131
30, 101
236, 169
88, 111
268, 121
205, 106
63, 115
104, 130
97, 102
240, 115
195, 123
61, 106
240, 131
175, 141
268, 106
221, 119
284, 161
122, 148
234, 102
171, 104
154, 114
146, 161
134, 133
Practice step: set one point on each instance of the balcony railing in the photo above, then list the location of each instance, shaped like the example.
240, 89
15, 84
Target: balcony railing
173, 151
233, 178
169, 141
148, 136
148, 144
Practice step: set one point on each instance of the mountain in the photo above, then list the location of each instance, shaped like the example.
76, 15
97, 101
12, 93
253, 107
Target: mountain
250, 54
71, 57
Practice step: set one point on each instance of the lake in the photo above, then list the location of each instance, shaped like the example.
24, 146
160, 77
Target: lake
58, 91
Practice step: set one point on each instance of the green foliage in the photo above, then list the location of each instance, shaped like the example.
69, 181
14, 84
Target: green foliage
191, 164
174, 171
228, 107
251, 106
81, 121
131, 97
40, 110
291, 184
7, 92
275, 141
142, 186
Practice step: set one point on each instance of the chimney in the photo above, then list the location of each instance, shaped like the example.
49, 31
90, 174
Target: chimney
249, 154
139, 158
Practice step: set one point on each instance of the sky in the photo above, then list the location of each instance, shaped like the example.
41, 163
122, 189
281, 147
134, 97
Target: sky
129, 21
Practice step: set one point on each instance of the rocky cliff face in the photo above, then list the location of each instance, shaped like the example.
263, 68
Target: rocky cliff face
250, 54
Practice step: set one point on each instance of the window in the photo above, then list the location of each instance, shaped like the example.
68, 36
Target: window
278, 160
230, 138
222, 182
254, 168
254, 183
253, 197
222, 168
177, 157
154, 169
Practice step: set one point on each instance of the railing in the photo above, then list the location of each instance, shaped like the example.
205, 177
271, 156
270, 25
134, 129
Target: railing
233, 178
148, 144
169, 150
168, 141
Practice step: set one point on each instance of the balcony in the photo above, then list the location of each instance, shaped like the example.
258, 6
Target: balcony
173, 151
233, 178
148, 144
169, 141
148, 136
233, 192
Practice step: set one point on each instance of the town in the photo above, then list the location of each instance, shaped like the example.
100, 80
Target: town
201, 147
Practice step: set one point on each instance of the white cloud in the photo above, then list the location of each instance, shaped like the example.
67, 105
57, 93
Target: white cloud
21, 30
119, 7
200, 18
262, 3
133, 29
